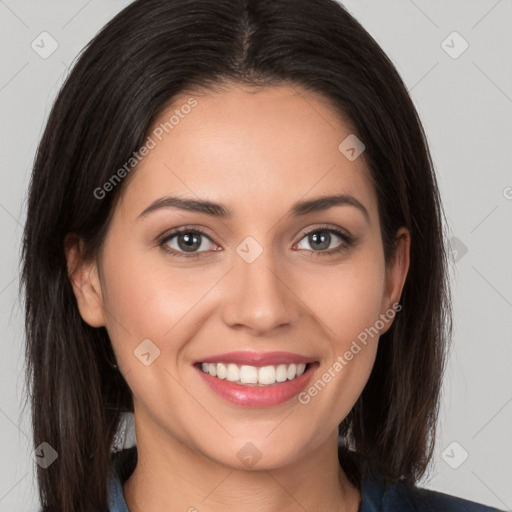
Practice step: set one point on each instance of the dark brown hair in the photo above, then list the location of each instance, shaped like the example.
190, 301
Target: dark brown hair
147, 54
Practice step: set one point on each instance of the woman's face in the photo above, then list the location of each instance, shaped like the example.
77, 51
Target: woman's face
271, 275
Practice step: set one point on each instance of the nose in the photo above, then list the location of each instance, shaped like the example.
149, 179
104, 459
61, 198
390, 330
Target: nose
259, 297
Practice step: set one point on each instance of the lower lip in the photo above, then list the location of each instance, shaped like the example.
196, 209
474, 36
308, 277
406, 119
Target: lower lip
259, 396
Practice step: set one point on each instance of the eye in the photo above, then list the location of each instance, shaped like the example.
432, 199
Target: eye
186, 242
191, 242
321, 239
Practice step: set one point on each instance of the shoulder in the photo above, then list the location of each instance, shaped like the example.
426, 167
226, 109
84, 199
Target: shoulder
418, 499
409, 498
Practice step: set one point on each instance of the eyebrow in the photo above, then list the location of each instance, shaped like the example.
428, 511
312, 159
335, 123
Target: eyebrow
218, 210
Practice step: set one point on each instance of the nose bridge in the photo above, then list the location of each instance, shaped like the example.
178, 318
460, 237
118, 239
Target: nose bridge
259, 297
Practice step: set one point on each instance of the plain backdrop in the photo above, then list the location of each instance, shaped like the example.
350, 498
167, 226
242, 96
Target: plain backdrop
455, 58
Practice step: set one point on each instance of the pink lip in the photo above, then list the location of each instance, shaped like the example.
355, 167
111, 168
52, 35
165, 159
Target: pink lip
257, 358
258, 396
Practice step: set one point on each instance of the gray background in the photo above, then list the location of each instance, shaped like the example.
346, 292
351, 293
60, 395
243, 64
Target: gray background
466, 107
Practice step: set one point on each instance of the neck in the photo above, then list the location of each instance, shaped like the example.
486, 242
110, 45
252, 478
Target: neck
171, 476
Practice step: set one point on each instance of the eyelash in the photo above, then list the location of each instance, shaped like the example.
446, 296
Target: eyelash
348, 241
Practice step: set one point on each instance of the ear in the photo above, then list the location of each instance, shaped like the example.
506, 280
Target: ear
84, 278
396, 272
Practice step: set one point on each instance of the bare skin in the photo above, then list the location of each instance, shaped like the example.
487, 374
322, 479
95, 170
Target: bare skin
257, 153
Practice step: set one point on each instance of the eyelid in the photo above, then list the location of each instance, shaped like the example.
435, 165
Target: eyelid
168, 235
347, 238
326, 227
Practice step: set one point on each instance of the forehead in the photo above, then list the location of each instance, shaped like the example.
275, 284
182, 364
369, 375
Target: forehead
250, 148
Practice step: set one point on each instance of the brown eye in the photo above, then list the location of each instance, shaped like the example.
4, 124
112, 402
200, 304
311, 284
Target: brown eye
323, 241
189, 242
183, 241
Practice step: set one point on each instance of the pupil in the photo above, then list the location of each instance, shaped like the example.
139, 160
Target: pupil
188, 242
324, 236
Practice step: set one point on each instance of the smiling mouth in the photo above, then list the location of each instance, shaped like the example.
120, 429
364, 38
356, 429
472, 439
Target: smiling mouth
260, 376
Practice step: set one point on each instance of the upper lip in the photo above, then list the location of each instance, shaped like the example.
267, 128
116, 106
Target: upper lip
257, 358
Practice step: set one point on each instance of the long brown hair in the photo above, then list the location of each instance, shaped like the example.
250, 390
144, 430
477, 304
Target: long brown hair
151, 51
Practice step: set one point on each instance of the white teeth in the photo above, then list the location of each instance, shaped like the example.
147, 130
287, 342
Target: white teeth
267, 375
281, 373
222, 371
246, 374
292, 371
233, 373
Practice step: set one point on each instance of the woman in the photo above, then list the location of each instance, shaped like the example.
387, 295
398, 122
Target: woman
235, 232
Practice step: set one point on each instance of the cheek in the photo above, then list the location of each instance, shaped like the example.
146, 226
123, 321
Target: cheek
150, 297
347, 297
349, 307
347, 301
146, 296
143, 300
